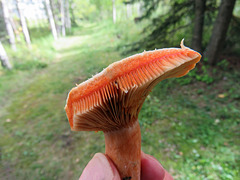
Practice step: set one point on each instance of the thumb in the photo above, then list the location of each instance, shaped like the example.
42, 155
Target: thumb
100, 167
152, 169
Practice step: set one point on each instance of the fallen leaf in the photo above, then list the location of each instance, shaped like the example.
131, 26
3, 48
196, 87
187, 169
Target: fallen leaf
221, 95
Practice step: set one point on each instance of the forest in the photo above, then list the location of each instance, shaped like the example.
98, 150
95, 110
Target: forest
191, 125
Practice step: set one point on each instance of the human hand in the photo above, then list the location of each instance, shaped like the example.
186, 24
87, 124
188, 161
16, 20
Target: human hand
101, 167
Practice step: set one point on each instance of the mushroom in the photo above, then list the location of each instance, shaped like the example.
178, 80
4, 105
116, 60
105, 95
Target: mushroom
111, 101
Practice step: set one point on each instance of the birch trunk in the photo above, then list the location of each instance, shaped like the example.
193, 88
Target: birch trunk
23, 24
114, 11
73, 19
55, 7
68, 19
129, 10
8, 25
14, 28
62, 17
13, 24
51, 19
4, 58
139, 9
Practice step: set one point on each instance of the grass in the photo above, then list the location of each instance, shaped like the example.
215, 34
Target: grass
190, 126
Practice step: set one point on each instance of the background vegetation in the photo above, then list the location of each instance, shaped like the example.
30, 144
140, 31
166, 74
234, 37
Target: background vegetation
190, 124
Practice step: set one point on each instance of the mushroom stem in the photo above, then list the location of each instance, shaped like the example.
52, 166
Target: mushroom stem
124, 148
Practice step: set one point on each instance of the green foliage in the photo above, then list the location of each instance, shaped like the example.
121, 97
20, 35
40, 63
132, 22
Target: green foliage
84, 9
224, 64
194, 75
92, 10
99, 10
161, 32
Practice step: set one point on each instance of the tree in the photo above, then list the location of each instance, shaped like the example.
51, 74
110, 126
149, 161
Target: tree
62, 13
23, 24
139, 9
68, 19
13, 24
9, 28
51, 19
219, 31
56, 11
129, 10
176, 19
114, 15
4, 58
14, 27
71, 11
198, 25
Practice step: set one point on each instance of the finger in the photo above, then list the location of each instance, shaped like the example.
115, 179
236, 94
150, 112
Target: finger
167, 176
152, 169
100, 167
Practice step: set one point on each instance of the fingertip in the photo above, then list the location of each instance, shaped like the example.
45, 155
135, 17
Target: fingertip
151, 168
168, 176
100, 167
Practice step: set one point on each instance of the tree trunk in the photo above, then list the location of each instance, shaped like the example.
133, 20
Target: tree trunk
8, 25
219, 31
129, 10
23, 24
13, 24
73, 19
51, 20
56, 11
14, 27
4, 58
139, 9
62, 4
68, 19
114, 11
198, 25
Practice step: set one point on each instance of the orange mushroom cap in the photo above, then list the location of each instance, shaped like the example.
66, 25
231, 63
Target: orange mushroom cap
110, 99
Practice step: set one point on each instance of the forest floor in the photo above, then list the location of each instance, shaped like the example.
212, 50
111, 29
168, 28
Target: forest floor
191, 126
